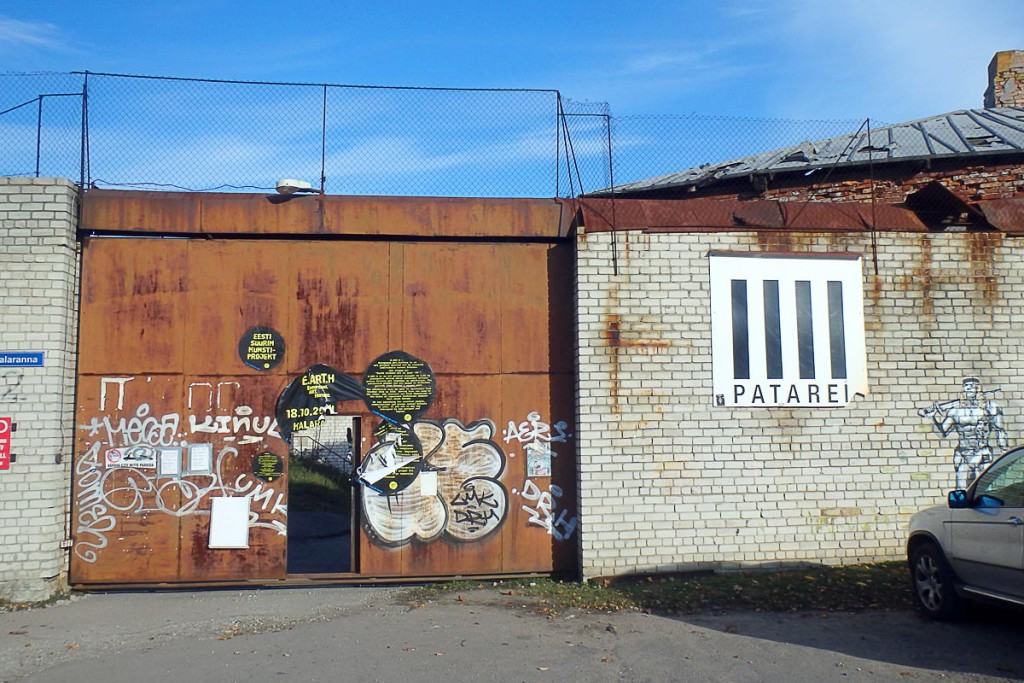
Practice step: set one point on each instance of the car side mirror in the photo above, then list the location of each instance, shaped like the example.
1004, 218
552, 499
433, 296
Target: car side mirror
958, 499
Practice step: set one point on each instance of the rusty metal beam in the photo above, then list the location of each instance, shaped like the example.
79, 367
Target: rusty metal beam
732, 215
181, 213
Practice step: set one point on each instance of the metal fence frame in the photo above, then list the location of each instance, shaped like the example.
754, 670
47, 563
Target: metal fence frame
590, 149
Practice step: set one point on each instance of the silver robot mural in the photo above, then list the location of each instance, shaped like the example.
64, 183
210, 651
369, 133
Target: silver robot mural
974, 417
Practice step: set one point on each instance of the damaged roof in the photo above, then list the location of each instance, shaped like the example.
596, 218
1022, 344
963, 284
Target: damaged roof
958, 134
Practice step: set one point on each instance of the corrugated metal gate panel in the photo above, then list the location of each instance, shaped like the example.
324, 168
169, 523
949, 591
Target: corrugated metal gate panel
161, 323
134, 297
234, 413
124, 529
456, 326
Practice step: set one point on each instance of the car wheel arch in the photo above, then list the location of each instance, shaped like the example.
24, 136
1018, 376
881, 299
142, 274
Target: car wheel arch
920, 538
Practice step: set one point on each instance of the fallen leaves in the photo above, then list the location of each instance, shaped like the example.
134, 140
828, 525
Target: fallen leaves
813, 589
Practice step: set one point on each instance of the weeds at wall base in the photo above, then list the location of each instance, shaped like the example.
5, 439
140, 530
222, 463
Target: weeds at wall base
880, 586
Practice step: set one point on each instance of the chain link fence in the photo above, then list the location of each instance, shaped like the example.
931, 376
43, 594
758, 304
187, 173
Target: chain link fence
41, 125
120, 131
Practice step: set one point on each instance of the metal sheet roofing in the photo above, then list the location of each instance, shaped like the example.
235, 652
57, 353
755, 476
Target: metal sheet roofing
958, 134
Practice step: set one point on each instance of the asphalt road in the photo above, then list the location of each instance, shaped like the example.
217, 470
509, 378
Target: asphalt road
368, 634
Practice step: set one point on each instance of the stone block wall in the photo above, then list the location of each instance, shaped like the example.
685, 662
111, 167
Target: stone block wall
38, 313
1006, 80
670, 482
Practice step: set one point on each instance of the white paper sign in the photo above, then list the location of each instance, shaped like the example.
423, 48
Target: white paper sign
169, 462
229, 522
200, 458
428, 483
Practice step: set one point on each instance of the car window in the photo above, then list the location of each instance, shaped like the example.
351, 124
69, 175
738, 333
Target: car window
1004, 482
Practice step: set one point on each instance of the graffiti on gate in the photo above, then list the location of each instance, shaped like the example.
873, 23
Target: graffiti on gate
119, 473
544, 511
468, 503
535, 436
533, 428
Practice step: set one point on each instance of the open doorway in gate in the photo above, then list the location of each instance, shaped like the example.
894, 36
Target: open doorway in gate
320, 497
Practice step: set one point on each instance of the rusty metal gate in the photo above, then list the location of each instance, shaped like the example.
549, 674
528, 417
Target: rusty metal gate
209, 354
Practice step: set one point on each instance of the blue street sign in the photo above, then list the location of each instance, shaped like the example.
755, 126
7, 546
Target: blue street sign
21, 358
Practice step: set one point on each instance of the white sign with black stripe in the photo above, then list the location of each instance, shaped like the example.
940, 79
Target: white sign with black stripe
787, 330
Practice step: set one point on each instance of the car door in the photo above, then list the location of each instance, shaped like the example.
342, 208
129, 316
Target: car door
987, 538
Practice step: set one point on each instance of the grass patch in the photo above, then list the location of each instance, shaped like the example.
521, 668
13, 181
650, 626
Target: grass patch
880, 586
313, 487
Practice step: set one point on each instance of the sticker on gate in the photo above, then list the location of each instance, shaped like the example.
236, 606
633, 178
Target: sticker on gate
139, 457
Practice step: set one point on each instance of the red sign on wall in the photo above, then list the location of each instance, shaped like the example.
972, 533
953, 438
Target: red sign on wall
5, 443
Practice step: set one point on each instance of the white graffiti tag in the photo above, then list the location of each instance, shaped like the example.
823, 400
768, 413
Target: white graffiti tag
108, 487
253, 428
141, 429
144, 428
534, 429
542, 512
137, 492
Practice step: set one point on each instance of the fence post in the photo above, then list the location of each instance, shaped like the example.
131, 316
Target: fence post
82, 184
39, 131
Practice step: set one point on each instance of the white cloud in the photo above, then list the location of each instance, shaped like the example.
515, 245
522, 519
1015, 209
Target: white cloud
15, 34
891, 60
657, 61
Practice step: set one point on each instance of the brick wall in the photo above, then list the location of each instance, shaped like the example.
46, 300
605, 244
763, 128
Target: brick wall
38, 300
891, 186
669, 482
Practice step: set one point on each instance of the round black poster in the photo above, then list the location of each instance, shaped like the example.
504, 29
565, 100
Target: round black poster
268, 466
394, 461
312, 395
398, 387
261, 348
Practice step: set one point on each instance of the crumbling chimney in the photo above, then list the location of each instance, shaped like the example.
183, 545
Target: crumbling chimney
1006, 80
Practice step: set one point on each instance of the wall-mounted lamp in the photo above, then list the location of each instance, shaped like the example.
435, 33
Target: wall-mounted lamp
291, 186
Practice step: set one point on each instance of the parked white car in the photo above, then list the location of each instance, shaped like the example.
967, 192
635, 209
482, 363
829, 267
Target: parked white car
973, 547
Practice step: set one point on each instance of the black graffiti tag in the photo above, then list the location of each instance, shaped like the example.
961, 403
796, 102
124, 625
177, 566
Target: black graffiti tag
474, 509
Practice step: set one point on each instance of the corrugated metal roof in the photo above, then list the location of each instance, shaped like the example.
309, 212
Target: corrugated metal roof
964, 133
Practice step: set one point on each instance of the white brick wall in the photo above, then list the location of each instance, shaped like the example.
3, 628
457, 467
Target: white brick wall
668, 482
38, 312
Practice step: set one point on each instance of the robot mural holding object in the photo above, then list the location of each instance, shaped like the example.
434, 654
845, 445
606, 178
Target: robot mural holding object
974, 416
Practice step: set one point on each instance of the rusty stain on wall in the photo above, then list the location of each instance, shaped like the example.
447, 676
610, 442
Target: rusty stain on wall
612, 334
775, 240
983, 246
923, 279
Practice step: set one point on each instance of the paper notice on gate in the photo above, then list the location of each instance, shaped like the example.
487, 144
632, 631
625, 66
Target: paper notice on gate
200, 458
428, 483
169, 462
229, 522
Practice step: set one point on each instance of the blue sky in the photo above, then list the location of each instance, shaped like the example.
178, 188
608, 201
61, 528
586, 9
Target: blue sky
802, 59
741, 77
